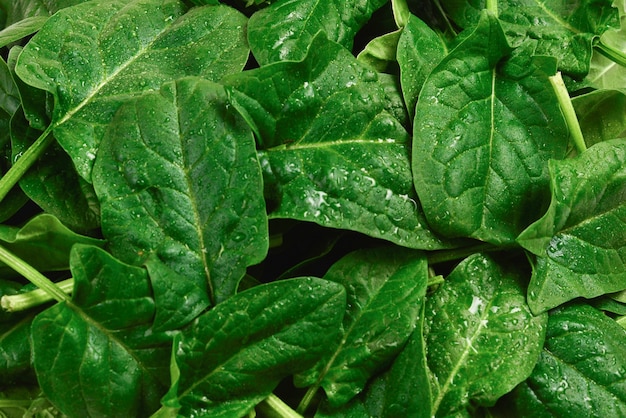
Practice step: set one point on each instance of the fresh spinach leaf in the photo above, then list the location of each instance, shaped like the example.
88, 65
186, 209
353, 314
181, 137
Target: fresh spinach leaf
579, 245
482, 138
21, 29
232, 357
602, 115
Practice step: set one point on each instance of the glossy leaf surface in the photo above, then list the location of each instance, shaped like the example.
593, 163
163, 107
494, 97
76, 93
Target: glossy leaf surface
125, 48
481, 337
91, 357
385, 289
331, 153
581, 369
178, 177
483, 133
286, 29
233, 356
579, 243
602, 115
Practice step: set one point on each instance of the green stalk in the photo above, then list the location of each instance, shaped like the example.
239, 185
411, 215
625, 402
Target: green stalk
307, 399
24, 301
568, 112
611, 53
442, 256
492, 6
27, 159
30, 273
274, 407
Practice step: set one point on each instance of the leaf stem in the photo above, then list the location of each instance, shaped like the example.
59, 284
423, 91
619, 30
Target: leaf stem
30, 273
307, 399
492, 6
21, 166
611, 53
568, 112
274, 407
24, 301
442, 256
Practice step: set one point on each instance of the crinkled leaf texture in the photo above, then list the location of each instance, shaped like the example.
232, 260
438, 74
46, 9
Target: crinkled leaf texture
481, 337
580, 242
97, 355
94, 56
564, 30
232, 357
581, 371
179, 183
286, 29
43, 242
483, 134
385, 290
331, 153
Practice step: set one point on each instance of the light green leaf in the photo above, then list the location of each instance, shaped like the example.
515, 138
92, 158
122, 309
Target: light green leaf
178, 178
331, 153
579, 247
91, 357
601, 115
20, 10
233, 357
581, 371
286, 29
483, 134
385, 290
94, 56
481, 337
381, 51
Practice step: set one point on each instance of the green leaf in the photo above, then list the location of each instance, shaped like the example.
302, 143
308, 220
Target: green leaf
380, 52
331, 152
553, 28
9, 94
233, 357
20, 10
91, 357
601, 114
579, 249
15, 351
581, 370
52, 182
94, 56
420, 49
286, 29
177, 177
481, 337
483, 133
21, 29
43, 242
385, 290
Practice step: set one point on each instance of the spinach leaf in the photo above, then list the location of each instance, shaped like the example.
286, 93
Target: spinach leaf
89, 354
94, 56
177, 177
601, 114
581, 369
481, 337
385, 289
483, 133
232, 357
286, 29
331, 153
579, 249
21, 29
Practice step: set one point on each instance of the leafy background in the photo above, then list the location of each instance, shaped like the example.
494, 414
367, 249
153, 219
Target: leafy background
299, 208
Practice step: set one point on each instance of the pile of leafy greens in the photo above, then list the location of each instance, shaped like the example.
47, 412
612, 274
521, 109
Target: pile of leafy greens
329, 208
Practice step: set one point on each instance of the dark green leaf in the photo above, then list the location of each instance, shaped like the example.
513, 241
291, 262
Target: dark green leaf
420, 49
20, 10
581, 371
43, 242
52, 182
233, 356
385, 288
94, 56
481, 337
579, 242
483, 133
9, 94
332, 154
91, 357
286, 29
177, 177
15, 351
